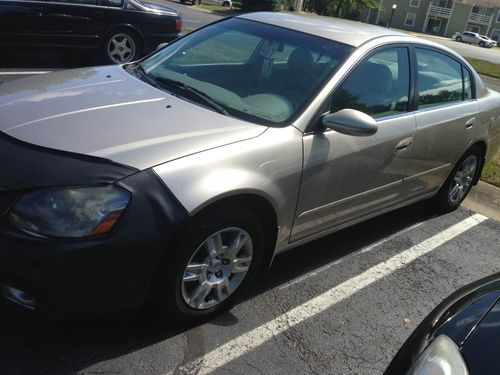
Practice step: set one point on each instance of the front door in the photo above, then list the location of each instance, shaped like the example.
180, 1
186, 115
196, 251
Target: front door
22, 22
445, 119
347, 177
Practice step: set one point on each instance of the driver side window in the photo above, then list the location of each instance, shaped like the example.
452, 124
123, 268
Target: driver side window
379, 86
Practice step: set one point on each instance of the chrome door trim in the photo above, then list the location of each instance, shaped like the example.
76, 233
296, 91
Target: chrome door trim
343, 200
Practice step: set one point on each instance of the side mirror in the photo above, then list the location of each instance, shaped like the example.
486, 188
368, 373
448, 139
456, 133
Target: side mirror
160, 46
351, 122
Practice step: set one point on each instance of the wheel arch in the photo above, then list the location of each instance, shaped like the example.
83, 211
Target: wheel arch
481, 144
258, 203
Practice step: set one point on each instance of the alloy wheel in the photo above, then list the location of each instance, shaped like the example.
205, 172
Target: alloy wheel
463, 179
121, 48
217, 268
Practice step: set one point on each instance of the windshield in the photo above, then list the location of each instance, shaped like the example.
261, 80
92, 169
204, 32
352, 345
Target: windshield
254, 71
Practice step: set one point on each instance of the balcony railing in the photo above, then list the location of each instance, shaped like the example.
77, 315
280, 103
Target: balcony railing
480, 18
439, 11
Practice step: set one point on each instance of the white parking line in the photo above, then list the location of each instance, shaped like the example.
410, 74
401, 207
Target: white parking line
347, 257
249, 341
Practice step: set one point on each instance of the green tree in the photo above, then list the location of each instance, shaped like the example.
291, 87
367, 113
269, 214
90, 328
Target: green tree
258, 5
342, 8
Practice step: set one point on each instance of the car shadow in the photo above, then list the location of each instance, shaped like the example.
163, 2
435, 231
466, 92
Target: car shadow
28, 345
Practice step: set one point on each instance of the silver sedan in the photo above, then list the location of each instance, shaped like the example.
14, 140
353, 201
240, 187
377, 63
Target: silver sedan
180, 175
474, 38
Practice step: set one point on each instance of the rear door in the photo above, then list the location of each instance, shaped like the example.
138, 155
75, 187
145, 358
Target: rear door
446, 118
22, 22
75, 23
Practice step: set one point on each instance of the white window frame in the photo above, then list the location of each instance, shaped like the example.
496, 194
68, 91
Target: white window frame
414, 6
406, 19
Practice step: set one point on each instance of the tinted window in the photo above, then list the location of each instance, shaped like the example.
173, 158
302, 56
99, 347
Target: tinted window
467, 84
439, 78
379, 86
81, 2
115, 3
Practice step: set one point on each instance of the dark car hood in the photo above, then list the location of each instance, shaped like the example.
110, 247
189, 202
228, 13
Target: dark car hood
106, 112
458, 317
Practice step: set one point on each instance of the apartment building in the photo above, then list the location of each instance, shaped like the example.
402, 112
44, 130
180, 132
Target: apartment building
439, 17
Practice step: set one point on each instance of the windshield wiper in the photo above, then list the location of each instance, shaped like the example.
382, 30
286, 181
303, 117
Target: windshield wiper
140, 73
193, 92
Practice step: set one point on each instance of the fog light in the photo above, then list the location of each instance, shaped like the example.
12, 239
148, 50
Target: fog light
19, 297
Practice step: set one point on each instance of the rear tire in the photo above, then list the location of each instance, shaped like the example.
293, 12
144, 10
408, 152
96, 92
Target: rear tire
121, 46
460, 181
459, 39
177, 296
226, 4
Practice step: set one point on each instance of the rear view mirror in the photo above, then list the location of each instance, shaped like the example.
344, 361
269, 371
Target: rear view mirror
351, 122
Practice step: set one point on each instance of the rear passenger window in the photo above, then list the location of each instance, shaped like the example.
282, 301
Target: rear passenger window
379, 86
467, 84
439, 78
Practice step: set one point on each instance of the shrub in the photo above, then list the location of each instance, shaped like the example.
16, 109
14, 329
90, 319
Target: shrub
258, 5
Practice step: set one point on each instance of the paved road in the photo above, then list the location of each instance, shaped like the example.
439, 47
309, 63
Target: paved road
469, 50
192, 18
341, 305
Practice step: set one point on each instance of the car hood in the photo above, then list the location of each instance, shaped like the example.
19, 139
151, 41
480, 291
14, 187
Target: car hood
108, 113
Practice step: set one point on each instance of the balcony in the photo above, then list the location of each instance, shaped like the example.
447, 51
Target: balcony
439, 11
481, 19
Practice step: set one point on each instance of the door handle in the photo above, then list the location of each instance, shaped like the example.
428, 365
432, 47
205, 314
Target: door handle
404, 144
470, 123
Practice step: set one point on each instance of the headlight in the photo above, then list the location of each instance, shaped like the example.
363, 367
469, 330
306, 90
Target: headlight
70, 212
442, 357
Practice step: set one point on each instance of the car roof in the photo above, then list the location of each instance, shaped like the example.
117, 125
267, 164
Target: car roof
349, 32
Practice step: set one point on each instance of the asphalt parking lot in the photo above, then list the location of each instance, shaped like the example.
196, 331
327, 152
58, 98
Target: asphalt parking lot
340, 305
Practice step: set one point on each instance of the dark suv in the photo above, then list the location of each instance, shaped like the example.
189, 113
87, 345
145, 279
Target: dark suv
121, 29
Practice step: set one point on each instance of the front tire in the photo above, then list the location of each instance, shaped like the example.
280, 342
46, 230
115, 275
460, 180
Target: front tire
120, 47
211, 267
482, 44
459, 183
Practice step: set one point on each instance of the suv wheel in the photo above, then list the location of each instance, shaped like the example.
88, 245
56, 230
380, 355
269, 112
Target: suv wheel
459, 39
481, 44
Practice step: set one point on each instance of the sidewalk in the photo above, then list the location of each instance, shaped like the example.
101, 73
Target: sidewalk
484, 199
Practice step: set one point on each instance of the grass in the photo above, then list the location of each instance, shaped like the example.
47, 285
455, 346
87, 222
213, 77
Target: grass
219, 9
485, 67
491, 173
